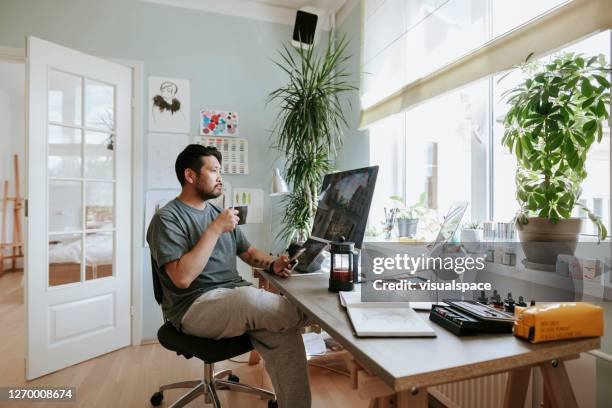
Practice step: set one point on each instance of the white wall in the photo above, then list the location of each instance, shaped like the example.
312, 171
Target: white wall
12, 133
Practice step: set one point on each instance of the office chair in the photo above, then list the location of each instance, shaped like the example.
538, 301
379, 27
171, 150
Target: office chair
210, 352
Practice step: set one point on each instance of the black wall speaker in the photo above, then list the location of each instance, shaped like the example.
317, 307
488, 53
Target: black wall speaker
305, 27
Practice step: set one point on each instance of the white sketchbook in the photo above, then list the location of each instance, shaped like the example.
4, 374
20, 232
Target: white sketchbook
378, 319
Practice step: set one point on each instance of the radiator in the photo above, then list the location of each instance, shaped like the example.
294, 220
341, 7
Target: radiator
483, 392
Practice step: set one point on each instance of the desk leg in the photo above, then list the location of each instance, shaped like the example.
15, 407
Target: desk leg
545, 398
516, 387
387, 401
557, 385
406, 399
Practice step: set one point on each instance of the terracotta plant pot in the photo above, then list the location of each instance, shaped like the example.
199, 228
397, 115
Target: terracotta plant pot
543, 241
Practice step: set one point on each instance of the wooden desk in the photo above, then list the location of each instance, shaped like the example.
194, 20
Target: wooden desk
405, 367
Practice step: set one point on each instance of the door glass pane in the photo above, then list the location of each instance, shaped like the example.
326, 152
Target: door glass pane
65, 206
99, 254
64, 98
64, 152
99, 204
99, 155
64, 259
99, 105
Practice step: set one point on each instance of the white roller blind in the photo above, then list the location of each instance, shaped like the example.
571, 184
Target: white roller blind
417, 49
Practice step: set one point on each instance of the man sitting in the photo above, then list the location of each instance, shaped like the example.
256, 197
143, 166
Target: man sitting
194, 246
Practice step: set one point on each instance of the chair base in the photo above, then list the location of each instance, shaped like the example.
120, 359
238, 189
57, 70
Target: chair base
208, 387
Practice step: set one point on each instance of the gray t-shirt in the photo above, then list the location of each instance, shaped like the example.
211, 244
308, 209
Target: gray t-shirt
174, 230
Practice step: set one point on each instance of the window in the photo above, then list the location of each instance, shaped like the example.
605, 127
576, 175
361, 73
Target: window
408, 39
444, 154
453, 152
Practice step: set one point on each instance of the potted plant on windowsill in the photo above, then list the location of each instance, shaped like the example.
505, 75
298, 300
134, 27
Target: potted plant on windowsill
408, 217
555, 116
471, 232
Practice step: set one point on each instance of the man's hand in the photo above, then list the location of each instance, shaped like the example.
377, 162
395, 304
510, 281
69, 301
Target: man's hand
226, 221
282, 267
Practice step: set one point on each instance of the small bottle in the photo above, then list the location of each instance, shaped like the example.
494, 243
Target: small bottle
483, 298
509, 303
521, 302
498, 303
493, 297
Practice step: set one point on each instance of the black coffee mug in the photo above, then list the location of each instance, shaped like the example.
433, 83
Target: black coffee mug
242, 213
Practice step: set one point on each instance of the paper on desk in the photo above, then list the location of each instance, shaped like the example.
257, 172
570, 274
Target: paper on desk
314, 344
348, 298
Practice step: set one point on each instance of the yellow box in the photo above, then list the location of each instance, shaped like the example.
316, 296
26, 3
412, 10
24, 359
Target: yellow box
558, 321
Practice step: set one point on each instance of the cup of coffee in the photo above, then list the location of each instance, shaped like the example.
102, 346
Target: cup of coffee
242, 213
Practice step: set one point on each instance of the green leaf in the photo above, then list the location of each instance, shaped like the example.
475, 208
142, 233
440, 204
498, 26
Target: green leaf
602, 80
544, 212
601, 109
532, 204
588, 102
553, 216
586, 88
556, 142
590, 126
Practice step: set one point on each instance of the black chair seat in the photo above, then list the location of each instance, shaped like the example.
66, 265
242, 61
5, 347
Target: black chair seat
208, 350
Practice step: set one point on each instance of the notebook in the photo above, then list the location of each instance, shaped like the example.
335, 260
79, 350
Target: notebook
377, 319
355, 297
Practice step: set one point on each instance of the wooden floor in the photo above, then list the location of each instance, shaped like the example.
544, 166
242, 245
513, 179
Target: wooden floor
128, 377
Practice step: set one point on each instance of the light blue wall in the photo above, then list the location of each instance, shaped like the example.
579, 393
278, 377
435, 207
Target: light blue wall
227, 59
356, 148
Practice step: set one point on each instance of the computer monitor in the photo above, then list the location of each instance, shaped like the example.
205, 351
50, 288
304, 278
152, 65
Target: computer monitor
344, 205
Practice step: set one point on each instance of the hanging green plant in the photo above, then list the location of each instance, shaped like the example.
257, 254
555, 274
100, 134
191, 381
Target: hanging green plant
308, 128
555, 116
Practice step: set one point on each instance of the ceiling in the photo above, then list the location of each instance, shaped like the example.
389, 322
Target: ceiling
330, 5
279, 11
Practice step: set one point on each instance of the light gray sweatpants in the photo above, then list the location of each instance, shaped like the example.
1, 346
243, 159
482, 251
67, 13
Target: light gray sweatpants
273, 324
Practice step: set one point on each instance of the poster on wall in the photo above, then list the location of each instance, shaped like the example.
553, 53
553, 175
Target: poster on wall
234, 153
162, 151
169, 104
155, 200
218, 123
253, 198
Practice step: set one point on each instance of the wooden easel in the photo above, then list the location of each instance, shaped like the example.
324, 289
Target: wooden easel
15, 247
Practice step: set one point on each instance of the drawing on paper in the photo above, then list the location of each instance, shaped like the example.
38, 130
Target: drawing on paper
168, 105
253, 198
218, 123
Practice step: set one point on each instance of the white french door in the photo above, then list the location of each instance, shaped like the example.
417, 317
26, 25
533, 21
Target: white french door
77, 263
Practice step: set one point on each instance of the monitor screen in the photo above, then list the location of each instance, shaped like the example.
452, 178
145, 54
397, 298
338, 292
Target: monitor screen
344, 205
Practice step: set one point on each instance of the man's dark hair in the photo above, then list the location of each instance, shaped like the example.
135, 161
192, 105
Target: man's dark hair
191, 158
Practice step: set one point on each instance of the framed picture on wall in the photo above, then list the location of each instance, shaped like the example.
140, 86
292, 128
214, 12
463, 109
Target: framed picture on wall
169, 105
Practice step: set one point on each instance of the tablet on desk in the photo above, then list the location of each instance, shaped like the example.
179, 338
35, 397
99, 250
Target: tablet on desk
307, 262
